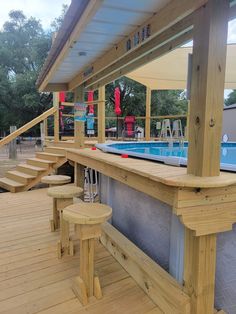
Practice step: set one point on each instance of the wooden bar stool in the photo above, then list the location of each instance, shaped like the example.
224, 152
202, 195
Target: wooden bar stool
55, 180
62, 197
87, 218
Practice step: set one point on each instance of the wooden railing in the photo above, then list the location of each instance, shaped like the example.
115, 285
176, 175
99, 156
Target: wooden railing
27, 126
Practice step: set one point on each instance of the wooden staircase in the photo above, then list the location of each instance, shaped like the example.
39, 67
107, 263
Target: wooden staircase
27, 175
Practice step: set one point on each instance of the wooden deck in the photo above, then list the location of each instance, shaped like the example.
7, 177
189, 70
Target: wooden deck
33, 280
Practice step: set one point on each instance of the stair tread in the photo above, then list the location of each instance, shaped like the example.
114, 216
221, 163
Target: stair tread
42, 160
55, 147
50, 154
12, 183
32, 167
21, 174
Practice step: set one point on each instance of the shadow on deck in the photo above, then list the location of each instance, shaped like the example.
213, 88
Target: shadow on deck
33, 280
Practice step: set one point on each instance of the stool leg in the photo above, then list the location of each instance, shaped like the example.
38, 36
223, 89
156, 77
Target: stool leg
65, 245
54, 222
84, 284
87, 264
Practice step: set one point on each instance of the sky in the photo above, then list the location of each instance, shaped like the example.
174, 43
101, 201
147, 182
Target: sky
44, 10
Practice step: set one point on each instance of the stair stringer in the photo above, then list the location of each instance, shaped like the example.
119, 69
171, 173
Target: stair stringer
61, 161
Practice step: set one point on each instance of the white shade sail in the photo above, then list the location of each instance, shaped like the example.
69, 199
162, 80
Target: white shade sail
170, 71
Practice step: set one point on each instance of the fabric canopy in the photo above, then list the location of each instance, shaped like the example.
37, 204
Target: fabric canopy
170, 71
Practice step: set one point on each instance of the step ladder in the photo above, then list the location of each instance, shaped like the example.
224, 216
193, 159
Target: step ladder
177, 129
166, 129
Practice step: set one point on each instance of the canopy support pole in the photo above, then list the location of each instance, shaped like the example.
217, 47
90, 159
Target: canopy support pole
101, 115
148, 114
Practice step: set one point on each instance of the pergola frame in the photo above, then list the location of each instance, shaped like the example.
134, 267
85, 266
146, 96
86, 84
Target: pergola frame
176, 23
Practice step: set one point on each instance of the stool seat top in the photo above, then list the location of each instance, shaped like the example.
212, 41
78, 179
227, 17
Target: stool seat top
65, 191
56, 179
87, 213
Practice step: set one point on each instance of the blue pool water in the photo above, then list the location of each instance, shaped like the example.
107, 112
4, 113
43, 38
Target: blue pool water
169, 153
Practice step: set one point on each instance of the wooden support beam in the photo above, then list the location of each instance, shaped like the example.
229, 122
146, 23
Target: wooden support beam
79, 125
164, 290
167, 35
199, 271
56, 87
164, 19
56, 116
148, 114
150, 56
101, 115
79, 176
207, 88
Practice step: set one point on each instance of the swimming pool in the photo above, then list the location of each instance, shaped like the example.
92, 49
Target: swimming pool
173, 153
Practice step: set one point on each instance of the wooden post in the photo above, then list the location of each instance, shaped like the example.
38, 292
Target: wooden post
79, 176
45, 125
207, 88
205, 122
42, 135
79, 125
101, 115
199, 271
56, 116
12, 144
148, 114
186, 133
87, 264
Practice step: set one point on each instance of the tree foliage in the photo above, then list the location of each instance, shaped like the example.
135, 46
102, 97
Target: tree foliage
56, 24
133, 101
23, 48
231, 100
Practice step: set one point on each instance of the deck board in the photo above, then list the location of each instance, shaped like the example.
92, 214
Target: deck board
156, 172
33, 280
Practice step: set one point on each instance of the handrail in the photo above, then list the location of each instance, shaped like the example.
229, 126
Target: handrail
27, 126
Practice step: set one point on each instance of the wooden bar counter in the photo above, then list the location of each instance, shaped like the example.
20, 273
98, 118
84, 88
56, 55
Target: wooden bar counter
204, 205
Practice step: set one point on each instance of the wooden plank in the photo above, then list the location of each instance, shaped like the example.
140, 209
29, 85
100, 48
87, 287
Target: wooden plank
52, 87
27, 126
156, 310
199, 271
155, 281
155, 172
136, 181
207, 88
101, 115
33, 280
56, 116
162, 20
79, 125
202, 197
148, 114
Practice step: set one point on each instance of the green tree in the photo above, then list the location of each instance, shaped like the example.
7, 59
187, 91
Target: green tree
23, 48
133, 101
56, 24
231, 100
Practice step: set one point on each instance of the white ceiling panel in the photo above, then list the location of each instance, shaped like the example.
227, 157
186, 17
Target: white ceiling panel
113, 21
